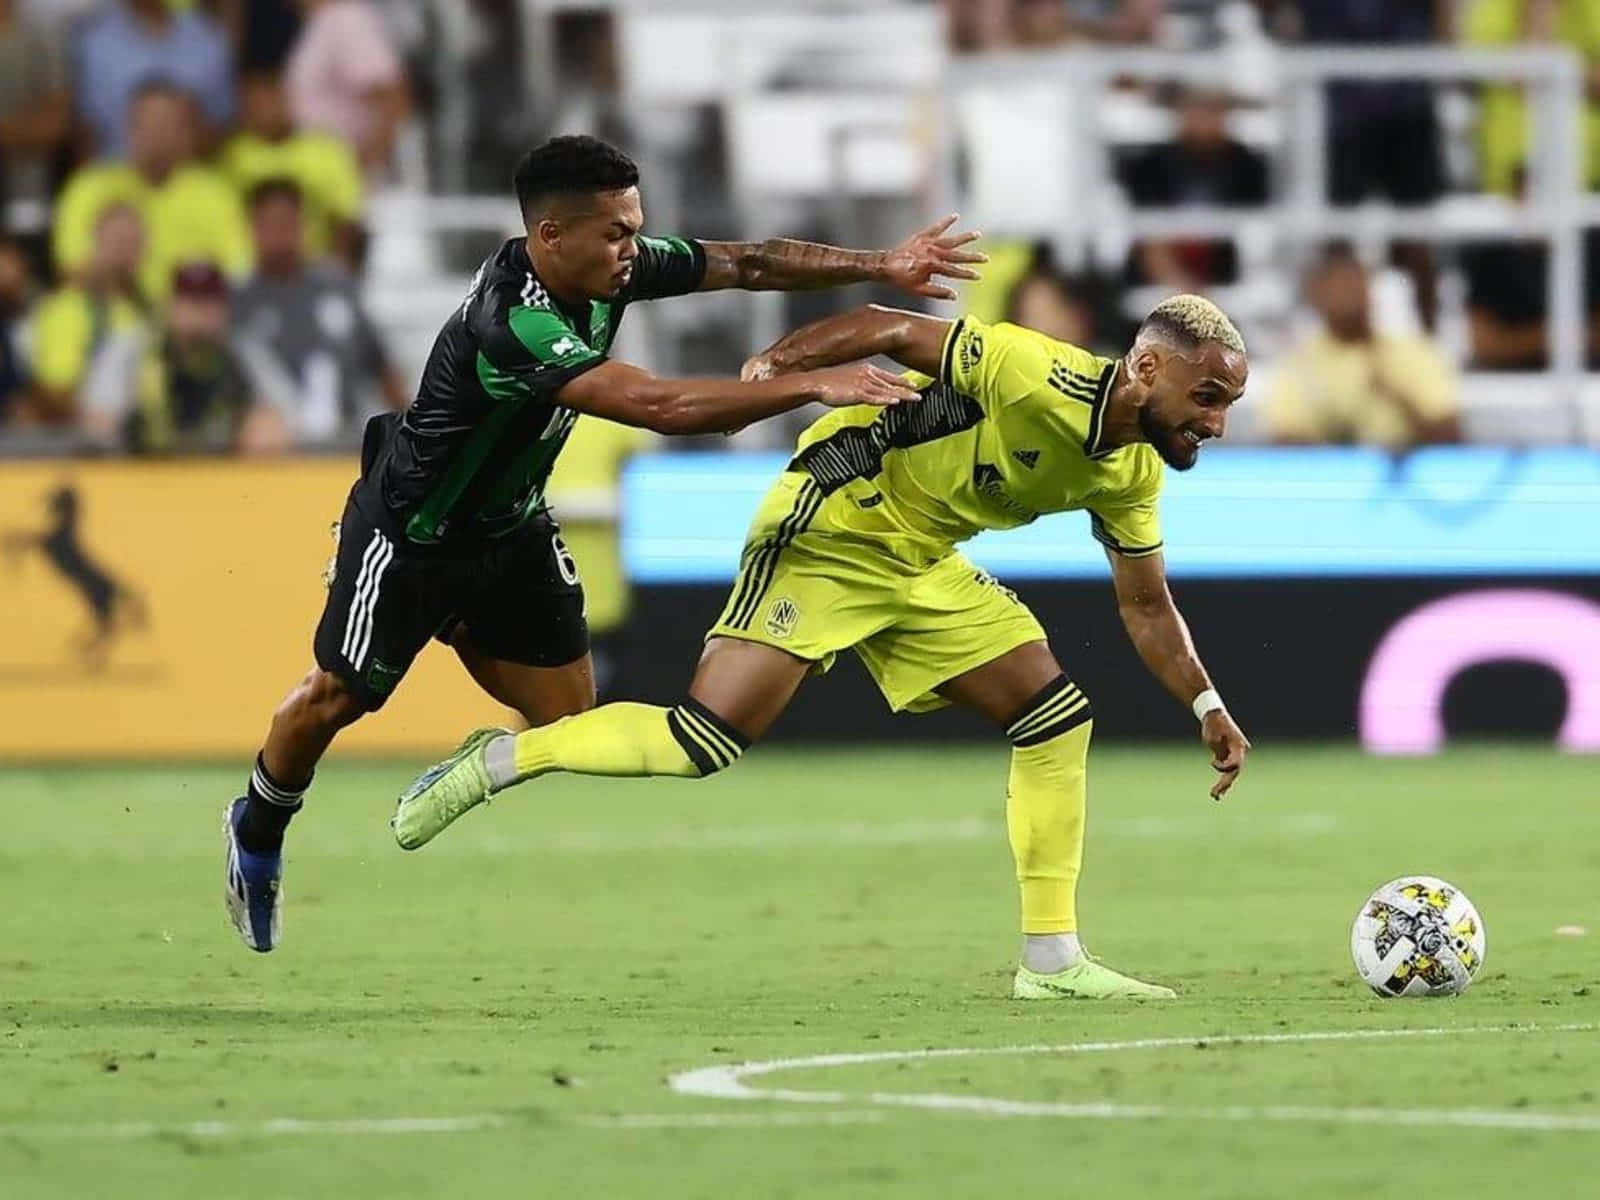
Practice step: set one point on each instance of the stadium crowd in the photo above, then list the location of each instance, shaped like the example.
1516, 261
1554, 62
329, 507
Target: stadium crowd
197, 172
203, 170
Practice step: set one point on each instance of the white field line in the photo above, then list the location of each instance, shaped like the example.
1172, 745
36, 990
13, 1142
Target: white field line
727, 1082
737, 1120
978, 1106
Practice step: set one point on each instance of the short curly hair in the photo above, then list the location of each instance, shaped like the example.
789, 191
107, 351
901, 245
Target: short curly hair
571, 164
1193, 320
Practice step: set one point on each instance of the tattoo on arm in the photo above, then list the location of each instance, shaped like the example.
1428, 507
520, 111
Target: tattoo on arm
782, 264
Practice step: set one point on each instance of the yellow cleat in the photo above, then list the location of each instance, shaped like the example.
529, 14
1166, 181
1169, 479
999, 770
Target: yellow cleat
1085, 980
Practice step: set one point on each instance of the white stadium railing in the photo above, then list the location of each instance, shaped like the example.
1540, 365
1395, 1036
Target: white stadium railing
1022, 143
1059, 102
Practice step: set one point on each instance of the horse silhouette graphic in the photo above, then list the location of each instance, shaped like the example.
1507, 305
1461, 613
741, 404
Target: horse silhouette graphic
113, 606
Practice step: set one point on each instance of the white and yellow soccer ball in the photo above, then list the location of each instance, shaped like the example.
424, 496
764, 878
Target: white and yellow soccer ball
1418, 936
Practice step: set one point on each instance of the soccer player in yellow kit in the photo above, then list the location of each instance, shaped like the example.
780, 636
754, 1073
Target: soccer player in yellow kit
855, 548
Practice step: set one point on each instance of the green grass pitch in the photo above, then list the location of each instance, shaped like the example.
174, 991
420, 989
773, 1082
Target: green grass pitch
501, 1013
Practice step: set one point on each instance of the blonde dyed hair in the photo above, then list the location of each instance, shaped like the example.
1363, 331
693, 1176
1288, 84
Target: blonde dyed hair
1195, 320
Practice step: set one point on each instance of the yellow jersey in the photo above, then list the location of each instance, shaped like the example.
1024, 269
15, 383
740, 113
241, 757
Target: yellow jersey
68, 326
1010, 430
194, 214
323, 166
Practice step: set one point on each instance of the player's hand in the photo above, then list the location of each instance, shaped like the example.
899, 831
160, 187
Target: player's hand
1228, 746
757, 368
913, 265
862, 383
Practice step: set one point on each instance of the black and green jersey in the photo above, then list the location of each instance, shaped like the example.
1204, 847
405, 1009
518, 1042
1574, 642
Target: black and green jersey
470, 457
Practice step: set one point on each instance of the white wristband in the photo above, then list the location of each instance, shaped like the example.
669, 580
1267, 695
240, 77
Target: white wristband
1206, 702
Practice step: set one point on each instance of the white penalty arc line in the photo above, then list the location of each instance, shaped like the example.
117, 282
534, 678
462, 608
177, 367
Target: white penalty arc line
738, 1120
727, 1082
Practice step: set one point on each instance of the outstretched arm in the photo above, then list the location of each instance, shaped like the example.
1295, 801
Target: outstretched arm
782, 264
631, 396
911, 339
1161, 637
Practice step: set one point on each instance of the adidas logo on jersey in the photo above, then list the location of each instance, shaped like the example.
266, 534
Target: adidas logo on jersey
1028, 458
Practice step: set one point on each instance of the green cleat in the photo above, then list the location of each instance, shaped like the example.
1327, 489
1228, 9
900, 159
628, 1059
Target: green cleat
444, 792
1085, 980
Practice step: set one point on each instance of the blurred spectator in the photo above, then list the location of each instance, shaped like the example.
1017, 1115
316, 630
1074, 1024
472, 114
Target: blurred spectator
1384, 138
190, 387
264, 31
586, 94
75, 320
1040, 23
1351, 383
1202, 167
583, 487
35, 107
1508, 294
269, 147
345, 77
1115, 20
310, 319
1503, 130
190, 211
128, 42
1046, 301
976, 26
1080, 310
15, 286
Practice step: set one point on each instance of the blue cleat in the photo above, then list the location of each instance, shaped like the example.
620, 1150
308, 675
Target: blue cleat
254, 890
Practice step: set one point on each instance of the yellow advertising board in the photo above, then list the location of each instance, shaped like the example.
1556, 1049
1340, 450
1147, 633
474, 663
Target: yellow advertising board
156, 609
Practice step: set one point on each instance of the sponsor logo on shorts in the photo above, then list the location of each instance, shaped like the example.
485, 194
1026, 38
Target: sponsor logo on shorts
984, 579
782, 617
381, 677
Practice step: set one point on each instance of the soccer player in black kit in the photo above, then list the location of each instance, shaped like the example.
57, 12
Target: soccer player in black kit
446, 533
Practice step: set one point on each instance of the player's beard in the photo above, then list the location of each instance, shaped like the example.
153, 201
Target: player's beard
1174, 449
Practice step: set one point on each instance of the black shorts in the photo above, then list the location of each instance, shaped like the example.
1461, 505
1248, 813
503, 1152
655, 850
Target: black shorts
517, 596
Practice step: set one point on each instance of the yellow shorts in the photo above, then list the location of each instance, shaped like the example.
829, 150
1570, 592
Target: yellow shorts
916, 619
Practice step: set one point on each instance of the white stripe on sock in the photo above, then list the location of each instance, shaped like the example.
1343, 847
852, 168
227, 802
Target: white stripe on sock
271, 792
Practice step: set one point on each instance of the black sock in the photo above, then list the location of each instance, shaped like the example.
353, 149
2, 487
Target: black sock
268, 808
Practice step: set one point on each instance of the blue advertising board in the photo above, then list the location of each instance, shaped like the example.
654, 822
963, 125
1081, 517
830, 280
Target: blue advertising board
1259, 513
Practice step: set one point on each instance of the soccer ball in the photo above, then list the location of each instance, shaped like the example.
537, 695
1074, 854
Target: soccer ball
1418, 936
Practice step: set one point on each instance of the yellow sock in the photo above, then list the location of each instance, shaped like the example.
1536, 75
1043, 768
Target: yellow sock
630, 740
1045, 802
